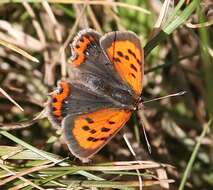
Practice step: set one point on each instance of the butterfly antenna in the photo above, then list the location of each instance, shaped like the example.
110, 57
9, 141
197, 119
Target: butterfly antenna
164, 97
146, 138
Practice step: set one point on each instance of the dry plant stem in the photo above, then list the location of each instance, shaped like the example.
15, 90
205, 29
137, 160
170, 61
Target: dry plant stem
121, 163
25, 172
70, 36
49, 76
115, 185
15, 36
160, 171
58, 35
200, 25
11, 99
139, 165
35, 23
21, 125
12, 153
41, 36
133, 153
19, 50
78, 8
129, 145
111, 3
25, 64
55, 23
16, 176
93, 19
162, 175
17, 187
163, 14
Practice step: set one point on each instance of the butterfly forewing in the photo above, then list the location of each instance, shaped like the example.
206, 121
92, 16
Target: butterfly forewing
125, 53
88, 133
88, 57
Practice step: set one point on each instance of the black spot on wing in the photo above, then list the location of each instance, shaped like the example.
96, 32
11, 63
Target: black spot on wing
134, 68
86, 128
93, 131
105, 129
126, 57
120, 53
90, 139
103, 139
111, 122
132, 75
116, 59
131, 53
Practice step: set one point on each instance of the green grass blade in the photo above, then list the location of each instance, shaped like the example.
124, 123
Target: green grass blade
179, 20
193, 156
43, 154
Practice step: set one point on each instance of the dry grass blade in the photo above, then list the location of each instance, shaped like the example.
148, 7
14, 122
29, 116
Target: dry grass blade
24, 124
162, 175
200, 25
58, 36
49, 11
110, 3
94, 19
19, 50
116, 184
35, 23
70, 36
165, 11
133, 153
15, 175
11, 99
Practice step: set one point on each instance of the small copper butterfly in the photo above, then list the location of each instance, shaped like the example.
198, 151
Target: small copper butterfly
103, 89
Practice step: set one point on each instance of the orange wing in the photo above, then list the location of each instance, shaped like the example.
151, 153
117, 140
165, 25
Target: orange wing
125, 53
88, 133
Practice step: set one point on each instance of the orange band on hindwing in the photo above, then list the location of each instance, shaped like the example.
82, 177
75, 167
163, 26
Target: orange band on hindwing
93, 130
58, 98
79, 48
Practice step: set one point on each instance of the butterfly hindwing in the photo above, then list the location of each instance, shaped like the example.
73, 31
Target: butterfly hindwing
87, 133
125, 53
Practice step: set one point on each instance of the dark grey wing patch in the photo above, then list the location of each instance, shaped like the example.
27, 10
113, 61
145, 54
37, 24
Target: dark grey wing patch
81, 101
89, 57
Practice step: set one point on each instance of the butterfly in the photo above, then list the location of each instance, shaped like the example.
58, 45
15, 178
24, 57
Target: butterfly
103, 89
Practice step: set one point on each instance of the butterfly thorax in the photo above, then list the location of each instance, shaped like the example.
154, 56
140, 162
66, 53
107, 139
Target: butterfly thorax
126, 99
